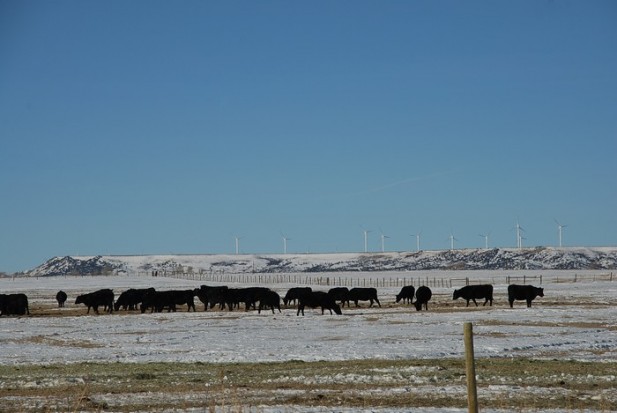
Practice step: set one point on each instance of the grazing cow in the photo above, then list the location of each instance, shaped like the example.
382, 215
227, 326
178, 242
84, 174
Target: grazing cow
14, 304
231, 297
248, 296
187, 297
61, 298
471, 292
269, 299
316, 299
211, 296
523, 292
295, 293
423, 295
131, 298
363, 294
406, 294
340, 294
157, 301
104, 297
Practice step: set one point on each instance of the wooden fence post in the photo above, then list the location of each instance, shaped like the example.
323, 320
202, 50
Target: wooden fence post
470, 363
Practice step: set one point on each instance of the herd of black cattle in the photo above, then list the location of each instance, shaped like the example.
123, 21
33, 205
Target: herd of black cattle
261, 298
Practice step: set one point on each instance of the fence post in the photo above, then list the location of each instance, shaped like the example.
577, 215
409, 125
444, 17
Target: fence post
470, 364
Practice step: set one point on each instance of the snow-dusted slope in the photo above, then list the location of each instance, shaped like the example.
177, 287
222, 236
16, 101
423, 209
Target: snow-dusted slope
468, 259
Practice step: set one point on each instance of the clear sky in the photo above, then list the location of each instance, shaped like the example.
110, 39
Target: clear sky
132, 127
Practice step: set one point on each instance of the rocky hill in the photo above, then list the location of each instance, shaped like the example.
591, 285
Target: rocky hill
468, 259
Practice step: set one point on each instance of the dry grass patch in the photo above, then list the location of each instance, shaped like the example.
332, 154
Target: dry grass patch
39, 339
503, 383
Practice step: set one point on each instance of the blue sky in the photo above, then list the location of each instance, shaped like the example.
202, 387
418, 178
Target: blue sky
171, 127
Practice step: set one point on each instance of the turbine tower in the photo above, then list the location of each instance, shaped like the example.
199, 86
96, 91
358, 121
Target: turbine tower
560, 228
285, 239
452, 239
237, 244
519, 236
366, 231
485, 236
521, 241
383, 241
417, 240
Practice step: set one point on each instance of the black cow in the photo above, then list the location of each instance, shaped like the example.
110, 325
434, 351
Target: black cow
131, 298
231, 297
14, 304
104, 297
249, 296
471, 292
340, 294
364, 294
406, 294
316, 299
423, 295
211, 296
269, 299
523, 292
61, 298
181, 297
295, 293
187, 297
157, 301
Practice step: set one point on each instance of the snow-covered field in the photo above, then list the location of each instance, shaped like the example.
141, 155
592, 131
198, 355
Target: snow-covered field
573, 321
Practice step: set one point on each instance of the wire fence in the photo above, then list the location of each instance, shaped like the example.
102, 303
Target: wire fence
364, 280
332, 280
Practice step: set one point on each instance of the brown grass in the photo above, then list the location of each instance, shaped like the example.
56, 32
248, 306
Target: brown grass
503, 383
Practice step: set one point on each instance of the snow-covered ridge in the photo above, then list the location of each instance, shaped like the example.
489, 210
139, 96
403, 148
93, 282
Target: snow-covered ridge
540, 258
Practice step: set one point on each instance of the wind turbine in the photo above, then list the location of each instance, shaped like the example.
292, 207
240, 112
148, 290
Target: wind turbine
485, 236
238, 244
366, 231
519, 237
560, 227
285, 239
383, 240
417, 240
452, 239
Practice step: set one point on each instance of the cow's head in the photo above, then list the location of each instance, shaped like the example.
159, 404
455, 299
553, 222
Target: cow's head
79, 300
456, 295
540, 291
337, 309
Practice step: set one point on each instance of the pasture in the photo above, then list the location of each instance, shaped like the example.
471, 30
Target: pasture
559, 355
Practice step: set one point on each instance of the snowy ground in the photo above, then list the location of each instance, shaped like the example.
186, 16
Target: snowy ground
573, 320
